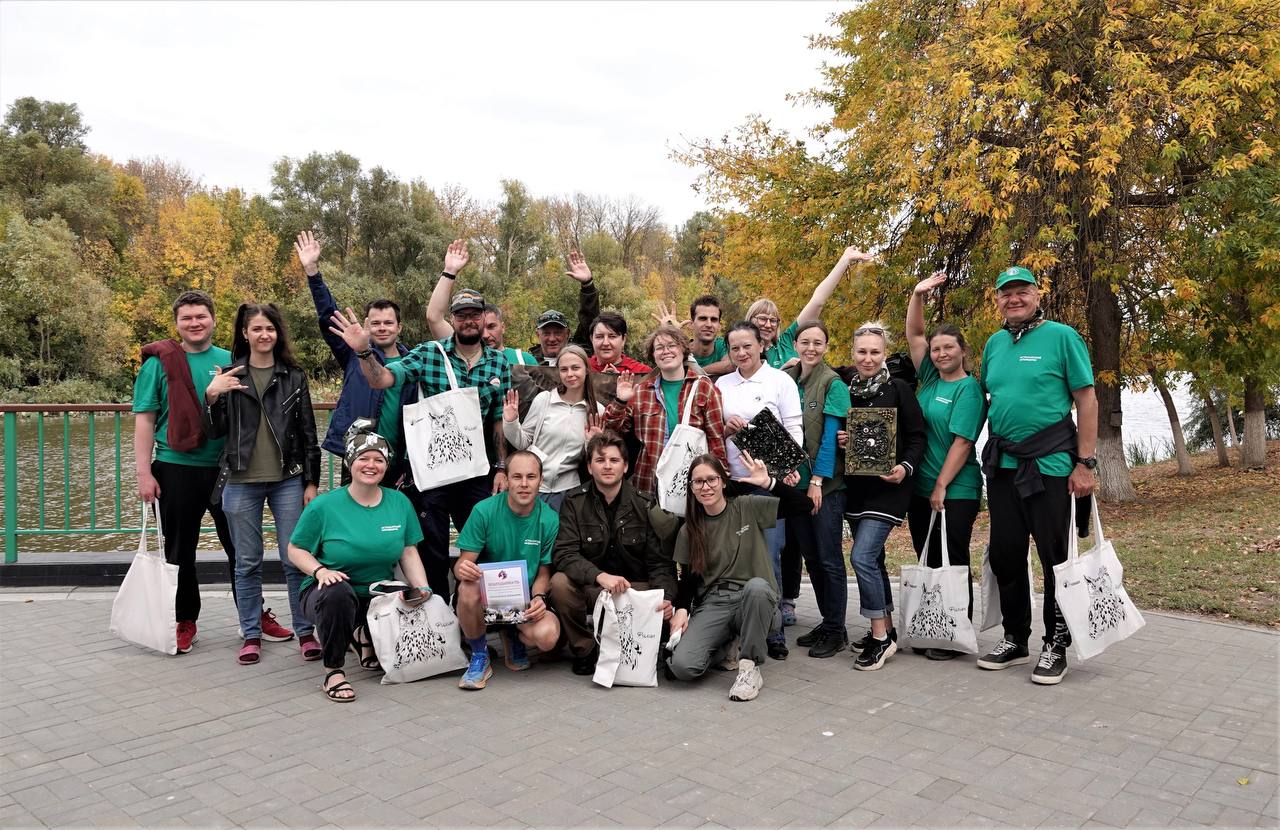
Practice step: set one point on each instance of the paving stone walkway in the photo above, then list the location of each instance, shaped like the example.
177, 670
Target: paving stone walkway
1175, 727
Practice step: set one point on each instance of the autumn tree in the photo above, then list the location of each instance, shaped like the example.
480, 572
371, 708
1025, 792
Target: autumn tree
969, 136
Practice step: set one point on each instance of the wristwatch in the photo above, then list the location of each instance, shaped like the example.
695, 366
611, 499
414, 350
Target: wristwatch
1090, 463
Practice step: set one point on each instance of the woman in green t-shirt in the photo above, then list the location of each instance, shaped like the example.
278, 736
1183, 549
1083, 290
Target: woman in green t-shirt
954, 409
727, 587
348, 539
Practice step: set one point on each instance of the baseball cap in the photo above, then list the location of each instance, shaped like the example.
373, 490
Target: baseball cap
1015, 273
465, 299
552, 317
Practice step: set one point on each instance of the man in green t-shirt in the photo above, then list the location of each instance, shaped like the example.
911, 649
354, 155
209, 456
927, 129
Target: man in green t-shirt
515, 526
177, 465
707, 348
1035, 460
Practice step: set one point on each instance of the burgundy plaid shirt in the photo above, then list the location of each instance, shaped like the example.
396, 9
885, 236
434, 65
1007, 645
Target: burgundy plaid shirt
644, 415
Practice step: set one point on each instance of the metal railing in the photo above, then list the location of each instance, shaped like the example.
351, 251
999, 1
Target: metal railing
113, 413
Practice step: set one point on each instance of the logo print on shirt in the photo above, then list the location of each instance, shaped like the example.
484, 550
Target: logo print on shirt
390, 528
941, 399
1028, 358
743, 530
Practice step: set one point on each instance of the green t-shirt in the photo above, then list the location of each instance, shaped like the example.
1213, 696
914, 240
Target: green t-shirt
151, 394
837, 403
736, 551
951, 408
785, 349
671, 402
719, 351
389, 413
499, 535
1030, 383
365, 543
266, 464
513, 357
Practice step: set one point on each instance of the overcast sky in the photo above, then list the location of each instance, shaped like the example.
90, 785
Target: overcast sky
563, 96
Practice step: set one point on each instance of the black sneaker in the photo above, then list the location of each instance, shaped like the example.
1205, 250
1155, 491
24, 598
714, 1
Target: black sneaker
585, 665
865, 642
777, 648
1004, 655
812, 638
1052, 666
829, 644
940, 654
874, 655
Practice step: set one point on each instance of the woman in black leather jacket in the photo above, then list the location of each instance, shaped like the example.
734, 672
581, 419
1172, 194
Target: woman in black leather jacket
271, 456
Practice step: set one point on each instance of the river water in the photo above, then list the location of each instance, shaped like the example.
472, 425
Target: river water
1145, 423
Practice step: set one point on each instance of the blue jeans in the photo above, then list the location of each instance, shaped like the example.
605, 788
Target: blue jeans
820, 539
243, 505
875, 598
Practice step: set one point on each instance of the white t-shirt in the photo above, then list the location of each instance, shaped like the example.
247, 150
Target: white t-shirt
768, 387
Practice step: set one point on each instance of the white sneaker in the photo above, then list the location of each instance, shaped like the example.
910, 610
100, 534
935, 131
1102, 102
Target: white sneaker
749, 682
729, 655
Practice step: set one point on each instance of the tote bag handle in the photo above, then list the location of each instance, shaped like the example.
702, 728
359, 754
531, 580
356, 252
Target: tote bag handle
142, 538
924, 549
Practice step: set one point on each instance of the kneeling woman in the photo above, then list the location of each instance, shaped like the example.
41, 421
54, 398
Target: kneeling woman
727, 587
346, 540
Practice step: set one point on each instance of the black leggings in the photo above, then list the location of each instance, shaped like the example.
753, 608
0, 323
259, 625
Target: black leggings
335, 610
184, 499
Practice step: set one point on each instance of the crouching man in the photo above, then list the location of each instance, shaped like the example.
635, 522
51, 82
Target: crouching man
605, 543
508, 527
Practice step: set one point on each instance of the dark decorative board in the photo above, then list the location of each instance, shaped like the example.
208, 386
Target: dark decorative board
873, 441
765, 439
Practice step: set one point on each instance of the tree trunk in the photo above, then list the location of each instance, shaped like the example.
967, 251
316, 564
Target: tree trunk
1253, 453
1231, 421
1215, 424
1185, 468
1115, 485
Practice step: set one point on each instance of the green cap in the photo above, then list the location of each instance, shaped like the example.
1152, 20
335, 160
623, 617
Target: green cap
1014, 273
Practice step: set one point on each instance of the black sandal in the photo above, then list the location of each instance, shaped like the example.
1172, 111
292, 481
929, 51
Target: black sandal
331, 692
368, 660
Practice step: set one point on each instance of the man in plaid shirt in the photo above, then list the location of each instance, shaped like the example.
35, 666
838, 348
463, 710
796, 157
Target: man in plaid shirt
650, 408
474, 364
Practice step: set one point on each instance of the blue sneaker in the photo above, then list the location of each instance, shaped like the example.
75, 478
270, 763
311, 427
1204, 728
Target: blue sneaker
514, 654
478, 672
788, 609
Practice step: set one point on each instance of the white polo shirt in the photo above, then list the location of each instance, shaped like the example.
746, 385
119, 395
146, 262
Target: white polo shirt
744, 397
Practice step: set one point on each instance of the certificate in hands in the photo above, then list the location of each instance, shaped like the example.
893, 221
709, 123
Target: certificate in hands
506, 591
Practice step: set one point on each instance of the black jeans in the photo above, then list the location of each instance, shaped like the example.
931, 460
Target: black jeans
792, 557
961, 514
335, 610
435, 508
821, 540
184, 498
1044, 518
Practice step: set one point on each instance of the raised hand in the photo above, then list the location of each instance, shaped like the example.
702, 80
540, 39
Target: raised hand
308, 250
456, 256
854, 254
511, 407
349, 327
757, 472
626, 389
578, 268
227, 381
595, 426
666, 316
931, 282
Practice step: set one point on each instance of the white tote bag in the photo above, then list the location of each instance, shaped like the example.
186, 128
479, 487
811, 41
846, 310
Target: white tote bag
143, 612
685, 444
413, 642
1090, 593
992, 616
935, 601
444, 434
628, 627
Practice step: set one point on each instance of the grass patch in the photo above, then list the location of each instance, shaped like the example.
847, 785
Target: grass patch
1204, 544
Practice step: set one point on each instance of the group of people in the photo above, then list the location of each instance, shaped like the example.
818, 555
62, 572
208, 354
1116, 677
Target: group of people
573, 479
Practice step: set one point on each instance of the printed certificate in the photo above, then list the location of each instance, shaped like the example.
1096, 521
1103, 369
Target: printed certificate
506, 591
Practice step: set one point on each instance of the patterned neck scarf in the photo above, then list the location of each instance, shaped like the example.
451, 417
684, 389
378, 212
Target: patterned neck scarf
1019, 330
867, 388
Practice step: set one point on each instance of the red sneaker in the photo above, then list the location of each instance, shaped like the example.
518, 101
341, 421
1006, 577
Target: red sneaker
186, 636
273, 631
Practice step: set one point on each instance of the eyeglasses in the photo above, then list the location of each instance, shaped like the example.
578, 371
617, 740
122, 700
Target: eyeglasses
767, 320
665, 348
705, 483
